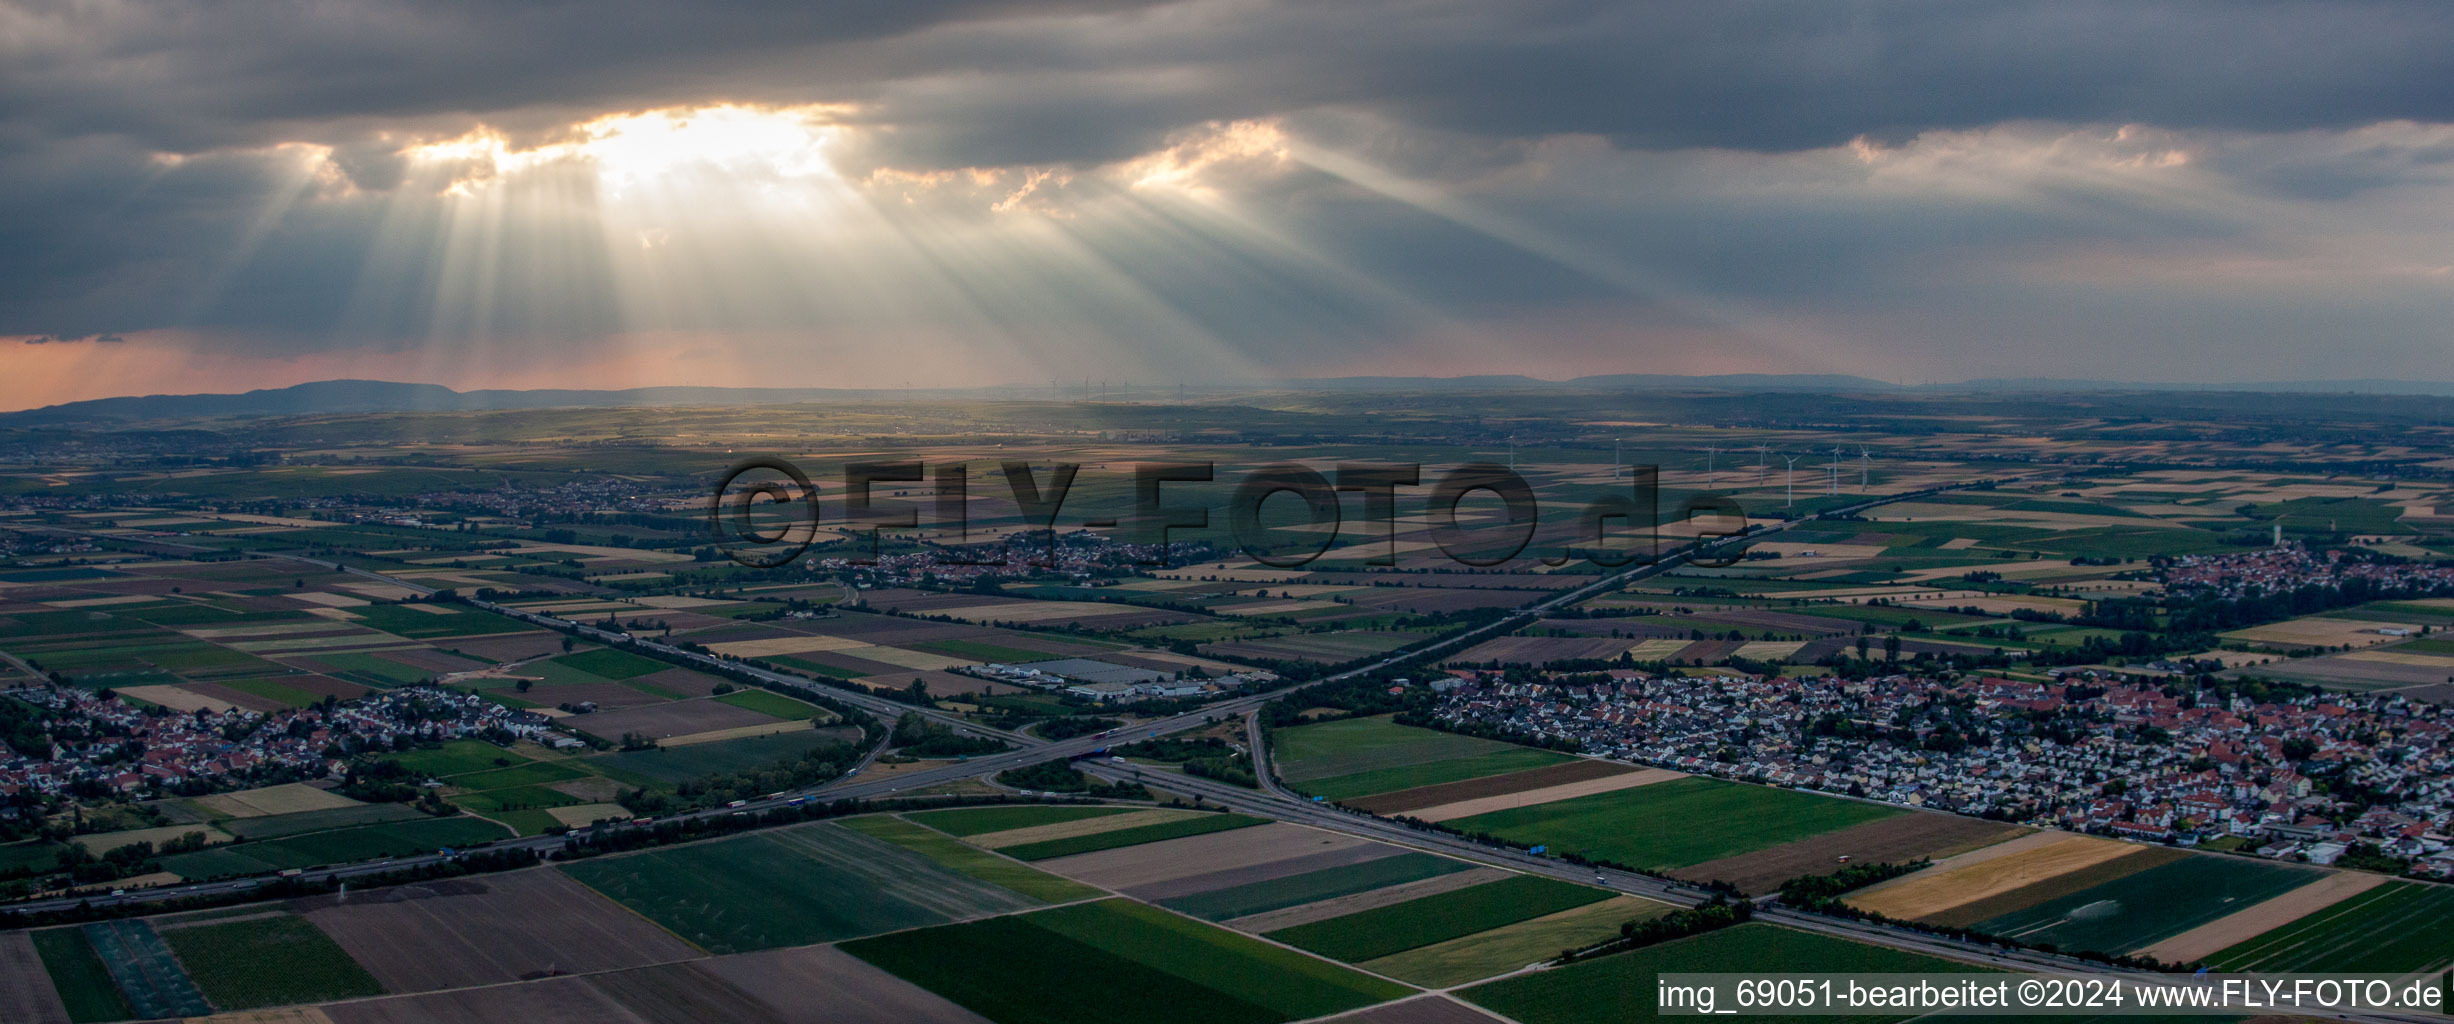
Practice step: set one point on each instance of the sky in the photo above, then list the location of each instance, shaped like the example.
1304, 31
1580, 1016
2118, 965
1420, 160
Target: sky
218, 196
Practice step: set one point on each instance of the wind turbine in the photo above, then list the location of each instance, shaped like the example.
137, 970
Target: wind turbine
1614, 456
1793, 480
1864, 460
1759, 464
1832, 485
1709, 453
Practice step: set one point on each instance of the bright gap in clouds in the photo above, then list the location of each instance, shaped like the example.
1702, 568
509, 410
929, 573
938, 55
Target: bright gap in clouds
636, 150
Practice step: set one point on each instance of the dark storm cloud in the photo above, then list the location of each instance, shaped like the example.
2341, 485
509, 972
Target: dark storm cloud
141, 186
1090, 80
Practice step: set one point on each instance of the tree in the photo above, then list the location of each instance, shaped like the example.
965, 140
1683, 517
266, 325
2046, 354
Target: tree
566, 645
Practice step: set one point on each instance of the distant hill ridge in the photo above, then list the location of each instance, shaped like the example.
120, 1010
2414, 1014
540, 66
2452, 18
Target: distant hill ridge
375, 396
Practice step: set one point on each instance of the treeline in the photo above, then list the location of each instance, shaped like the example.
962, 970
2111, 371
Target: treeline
1716, 914
1207, 757
1060, 777
1814, 892
917, 736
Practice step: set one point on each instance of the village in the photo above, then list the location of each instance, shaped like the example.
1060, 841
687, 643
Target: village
2308, 778
105, 747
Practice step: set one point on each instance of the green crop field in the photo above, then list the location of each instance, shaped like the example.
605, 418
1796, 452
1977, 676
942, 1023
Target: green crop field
775, 705
972, 821
700, 760
1134, 836
371, 670
1390, 780
1506, 948
2137, 910
1330, 749
268, 962
532, 773
1118, 962
607, 663
271, 688
1620, 987
79, 976
1381, 931
418, 625
274, 826
812, 883
1314, 886
1676, 823
457, 757
955, 855
2392, 929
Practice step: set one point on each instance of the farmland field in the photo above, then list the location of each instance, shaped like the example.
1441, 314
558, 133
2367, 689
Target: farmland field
1313, 886
146, 971
2138, 909
1119, 962
1677, 823
954, 855
1134, 836
972, 821
811, 883
722, 757
1394, 929
1404, 800
460, 932
775, 705
26, 992
1620, 987
1362, 756
1506, 948
84, 983
1898, 840
339, 846
2394, 928
268, 962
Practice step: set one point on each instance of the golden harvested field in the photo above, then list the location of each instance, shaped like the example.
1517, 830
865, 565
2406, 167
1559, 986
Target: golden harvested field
785, 645
1079, 827
735, 733
581, 815
1547, 794
176, 698
2402, 658
2318, 631
2258, 919
1947, 885
100, 843
289, 798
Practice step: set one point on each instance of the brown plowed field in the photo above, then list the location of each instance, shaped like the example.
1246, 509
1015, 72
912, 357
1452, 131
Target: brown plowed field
1419, 797
1890, 841
824, 985
1170, 859
1548, 794
25, 987
1231, 877
661, 721
506, 927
